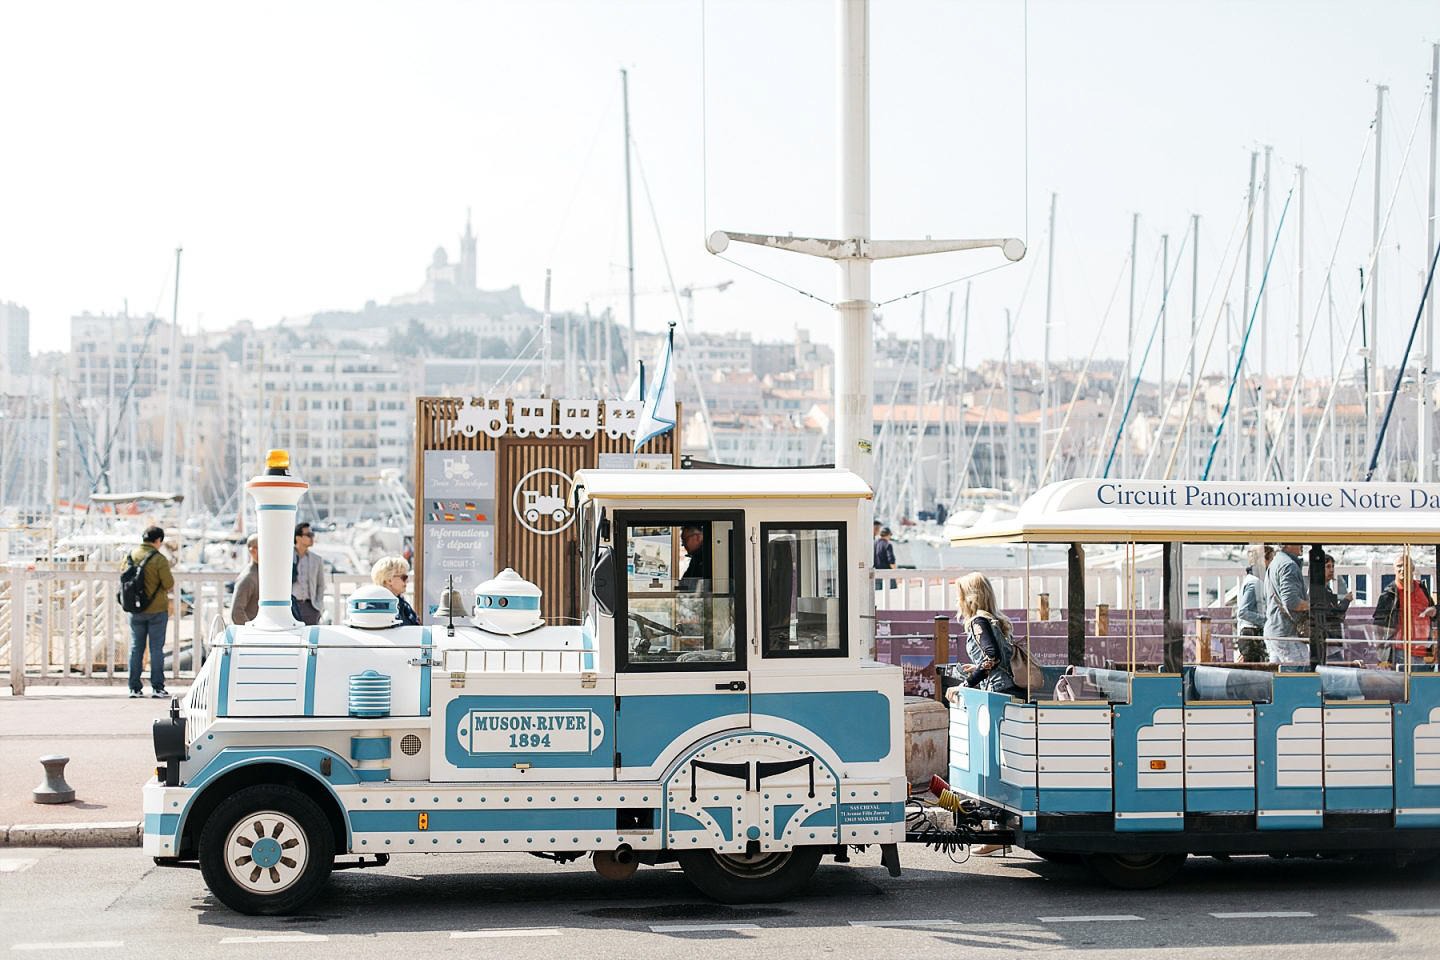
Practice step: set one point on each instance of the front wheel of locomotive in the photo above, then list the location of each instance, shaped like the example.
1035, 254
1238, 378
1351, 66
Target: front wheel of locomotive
268, 849
746, 878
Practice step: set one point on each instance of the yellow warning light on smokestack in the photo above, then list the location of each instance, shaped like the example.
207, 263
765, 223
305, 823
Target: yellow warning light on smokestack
277, 460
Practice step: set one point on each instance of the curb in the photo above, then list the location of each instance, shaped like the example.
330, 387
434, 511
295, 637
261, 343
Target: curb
113, 834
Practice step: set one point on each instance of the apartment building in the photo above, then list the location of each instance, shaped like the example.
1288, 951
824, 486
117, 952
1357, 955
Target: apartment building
345, 416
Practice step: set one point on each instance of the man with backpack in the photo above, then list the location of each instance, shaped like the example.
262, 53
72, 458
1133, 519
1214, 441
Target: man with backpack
145, 587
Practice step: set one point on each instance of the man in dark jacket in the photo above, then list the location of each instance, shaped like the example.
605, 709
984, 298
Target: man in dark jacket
884, 553
696, 578
246, 604
150, 623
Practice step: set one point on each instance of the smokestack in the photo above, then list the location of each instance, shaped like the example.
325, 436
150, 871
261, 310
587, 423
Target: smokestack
276, 494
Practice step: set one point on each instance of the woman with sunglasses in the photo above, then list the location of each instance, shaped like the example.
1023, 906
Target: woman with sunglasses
393, 573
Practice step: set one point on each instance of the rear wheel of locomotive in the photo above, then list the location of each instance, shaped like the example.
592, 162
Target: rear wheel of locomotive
743, 878
1140, 871
268, 849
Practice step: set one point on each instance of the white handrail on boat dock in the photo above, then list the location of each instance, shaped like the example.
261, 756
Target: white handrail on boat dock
69, 627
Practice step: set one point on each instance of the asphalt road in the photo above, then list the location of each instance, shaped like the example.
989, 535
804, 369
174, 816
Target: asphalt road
116, 903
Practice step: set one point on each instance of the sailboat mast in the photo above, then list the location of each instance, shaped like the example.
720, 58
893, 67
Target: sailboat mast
965, 379
949, 357
167, 446
1042, 446
545, 384
1334, 372
1194, 328
1296, 425
631, 355
1372, 379
1164, 321
1009, 402
1235, 417
1245, 302
1426, 413
52, 462
917, 491
1129, 337
1261, 452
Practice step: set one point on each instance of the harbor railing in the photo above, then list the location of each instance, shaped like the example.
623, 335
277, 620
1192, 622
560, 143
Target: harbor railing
65, 625
1207, 584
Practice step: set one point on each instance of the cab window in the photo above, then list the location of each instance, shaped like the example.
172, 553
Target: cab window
803, 611
681, 604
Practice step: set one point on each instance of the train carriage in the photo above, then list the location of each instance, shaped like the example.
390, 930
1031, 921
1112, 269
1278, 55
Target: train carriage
1159, 744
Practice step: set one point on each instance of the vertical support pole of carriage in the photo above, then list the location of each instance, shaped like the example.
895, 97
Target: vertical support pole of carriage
1173, 583
1075, 607
942, 654
1319, 618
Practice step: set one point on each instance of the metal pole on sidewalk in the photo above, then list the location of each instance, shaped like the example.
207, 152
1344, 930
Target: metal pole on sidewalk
17, 631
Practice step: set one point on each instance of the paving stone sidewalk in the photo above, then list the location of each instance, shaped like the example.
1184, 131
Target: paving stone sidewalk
105, 734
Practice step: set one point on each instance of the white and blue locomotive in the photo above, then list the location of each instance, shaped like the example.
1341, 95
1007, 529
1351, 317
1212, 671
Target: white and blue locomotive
721, 715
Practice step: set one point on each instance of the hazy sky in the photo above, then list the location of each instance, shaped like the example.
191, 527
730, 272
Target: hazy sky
312, 155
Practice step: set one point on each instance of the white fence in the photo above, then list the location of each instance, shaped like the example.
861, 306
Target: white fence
64, 625
67, 626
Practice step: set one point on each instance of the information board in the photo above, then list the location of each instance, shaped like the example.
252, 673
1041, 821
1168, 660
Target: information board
458, 511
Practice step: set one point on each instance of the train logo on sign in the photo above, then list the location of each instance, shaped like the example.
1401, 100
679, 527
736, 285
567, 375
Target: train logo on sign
542, 501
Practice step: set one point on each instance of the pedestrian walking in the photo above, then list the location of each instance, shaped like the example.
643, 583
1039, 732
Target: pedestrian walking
307, 577
147, 626
246, 602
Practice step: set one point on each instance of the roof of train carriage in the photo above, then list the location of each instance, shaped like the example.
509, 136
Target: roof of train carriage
661, 485
1115, 511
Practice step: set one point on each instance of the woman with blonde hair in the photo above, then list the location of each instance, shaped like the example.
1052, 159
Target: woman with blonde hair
988, 637
393, 573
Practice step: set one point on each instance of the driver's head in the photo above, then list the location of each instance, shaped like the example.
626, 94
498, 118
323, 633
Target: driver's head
692, 537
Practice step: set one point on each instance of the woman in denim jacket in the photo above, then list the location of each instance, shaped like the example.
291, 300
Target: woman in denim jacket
988, 637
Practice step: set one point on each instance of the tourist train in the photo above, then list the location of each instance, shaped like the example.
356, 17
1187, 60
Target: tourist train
717, 706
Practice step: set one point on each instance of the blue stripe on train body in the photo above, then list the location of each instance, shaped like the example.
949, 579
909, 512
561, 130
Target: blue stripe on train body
650, 724
855, 724
479, 821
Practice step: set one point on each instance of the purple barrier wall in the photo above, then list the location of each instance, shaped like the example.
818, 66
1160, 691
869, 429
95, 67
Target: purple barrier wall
907, 638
